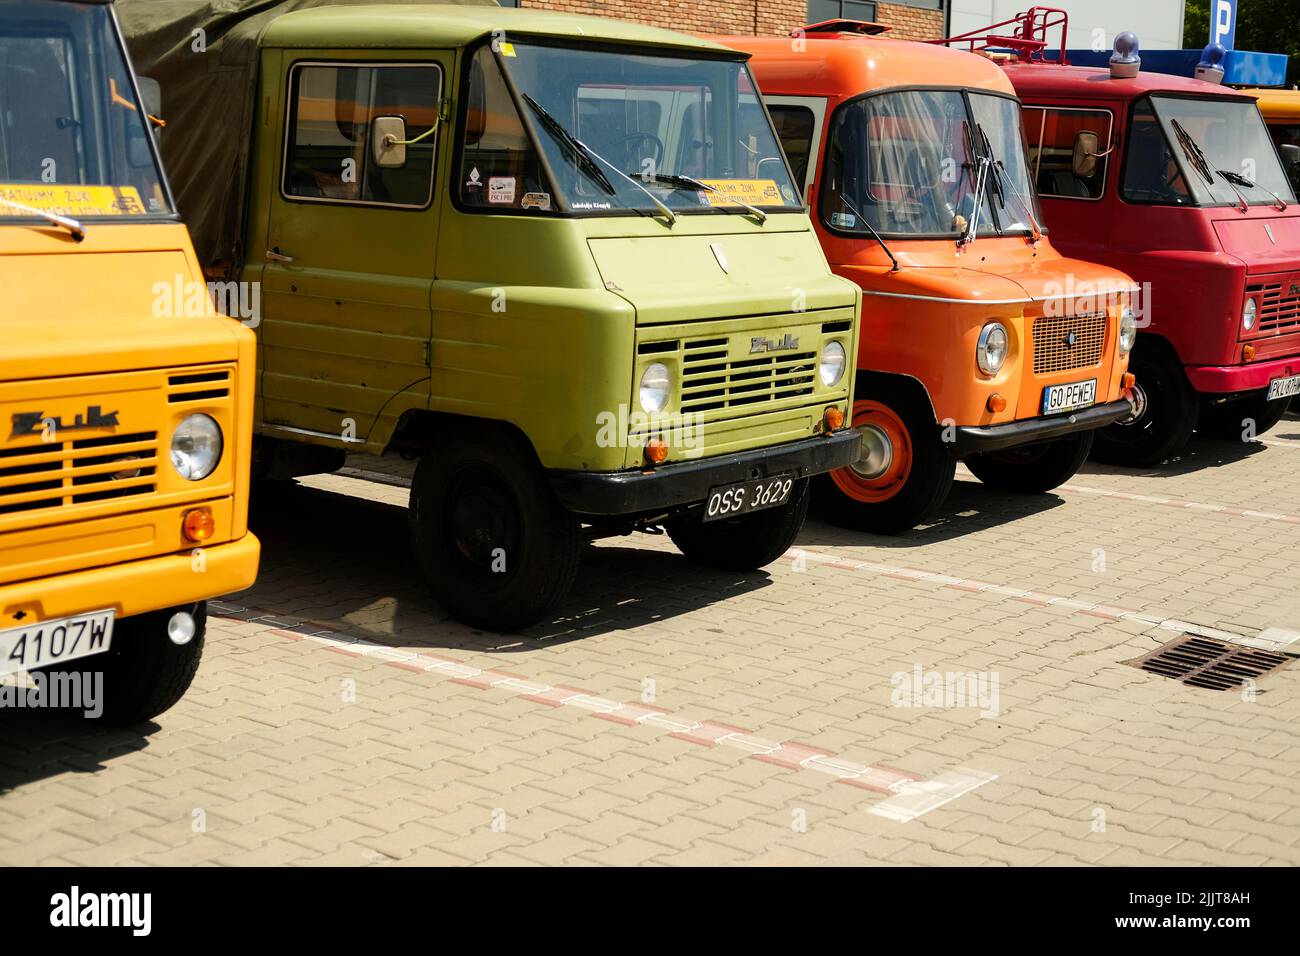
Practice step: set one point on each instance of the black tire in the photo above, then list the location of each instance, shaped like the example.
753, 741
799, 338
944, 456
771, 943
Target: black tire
144, 671
497, 548
1033, 469
851, 501
1166, 417
1228, 420
742, 544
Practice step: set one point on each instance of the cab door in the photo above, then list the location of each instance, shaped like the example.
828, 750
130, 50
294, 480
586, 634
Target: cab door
351, 244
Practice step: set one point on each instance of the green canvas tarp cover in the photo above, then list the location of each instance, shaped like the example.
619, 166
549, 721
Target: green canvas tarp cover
208, 101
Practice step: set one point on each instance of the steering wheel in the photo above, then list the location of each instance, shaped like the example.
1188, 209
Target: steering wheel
631, 148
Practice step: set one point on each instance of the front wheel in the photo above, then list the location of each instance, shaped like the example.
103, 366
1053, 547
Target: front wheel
149, 665
1033, 469
1242, 419
1165, 414
745, 543
904, 473
497, 548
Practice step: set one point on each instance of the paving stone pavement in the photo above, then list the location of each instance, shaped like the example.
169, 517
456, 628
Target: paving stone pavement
677, 716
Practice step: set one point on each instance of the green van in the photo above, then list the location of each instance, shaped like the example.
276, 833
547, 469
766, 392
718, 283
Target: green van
560, 260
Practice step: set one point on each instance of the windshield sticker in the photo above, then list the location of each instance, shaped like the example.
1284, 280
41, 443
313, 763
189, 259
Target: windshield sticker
507, 49
501, 190
475, 179
755, 192
592, 205
536, 201
76, 200
843, 220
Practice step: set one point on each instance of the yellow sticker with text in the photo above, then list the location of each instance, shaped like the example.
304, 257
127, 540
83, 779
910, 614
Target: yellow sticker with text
756, 192
74, 200
507, 49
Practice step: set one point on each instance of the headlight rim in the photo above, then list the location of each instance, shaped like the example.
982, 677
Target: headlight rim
982, 346
217, 457
843, 363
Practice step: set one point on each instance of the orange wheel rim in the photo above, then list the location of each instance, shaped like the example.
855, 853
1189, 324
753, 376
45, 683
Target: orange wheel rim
886, 462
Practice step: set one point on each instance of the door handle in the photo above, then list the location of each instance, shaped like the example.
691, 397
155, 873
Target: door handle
274, 255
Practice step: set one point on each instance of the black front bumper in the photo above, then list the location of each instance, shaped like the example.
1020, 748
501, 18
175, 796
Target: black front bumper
971, 440
681, 484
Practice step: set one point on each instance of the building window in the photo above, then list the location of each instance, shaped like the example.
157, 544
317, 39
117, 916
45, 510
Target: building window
819, 11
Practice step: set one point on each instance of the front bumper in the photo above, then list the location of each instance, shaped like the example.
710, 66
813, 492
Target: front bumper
134, 587
682, 484
971, 440
1225, 379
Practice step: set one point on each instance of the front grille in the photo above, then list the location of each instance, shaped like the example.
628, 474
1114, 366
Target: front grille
198, 386
1055, 352
1279, 306
57, 474
711, 381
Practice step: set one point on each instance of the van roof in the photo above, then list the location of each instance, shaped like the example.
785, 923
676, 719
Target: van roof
846, 64
1048, 80
443, 25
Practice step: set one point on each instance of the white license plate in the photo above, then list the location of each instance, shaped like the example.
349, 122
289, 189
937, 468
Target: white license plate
1284, 387
1069, 398
53, 642
730, 501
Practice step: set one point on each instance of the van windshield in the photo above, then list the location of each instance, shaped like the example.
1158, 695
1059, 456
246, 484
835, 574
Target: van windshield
907, 164
74, 140
1202, 152
605, 132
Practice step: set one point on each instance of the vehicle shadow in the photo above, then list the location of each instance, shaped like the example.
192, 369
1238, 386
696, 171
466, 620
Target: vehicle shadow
1200, 454
345, 562
971, 507
35, 744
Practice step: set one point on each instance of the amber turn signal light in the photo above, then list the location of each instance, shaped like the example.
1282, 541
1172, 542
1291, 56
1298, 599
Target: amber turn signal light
656, 451
997, 403
198, 525
1127, 381
833, 418
1248, 353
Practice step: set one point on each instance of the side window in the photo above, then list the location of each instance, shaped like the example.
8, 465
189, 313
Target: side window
329, 155
794, 128
499, 168
1055, 137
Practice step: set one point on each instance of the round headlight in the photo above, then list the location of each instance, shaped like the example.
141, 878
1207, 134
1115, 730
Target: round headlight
832, 364
1128, 331
196, 447
991, 351
656, 386
1248, 314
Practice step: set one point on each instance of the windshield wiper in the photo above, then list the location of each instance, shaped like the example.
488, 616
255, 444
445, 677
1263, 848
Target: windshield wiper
72, 225
1237, 179
870, 228
588, 159
1000, 182
690, 182
982, 164
1192, 150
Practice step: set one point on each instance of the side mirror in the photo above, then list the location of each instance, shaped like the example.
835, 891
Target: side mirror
1086, 146
388, 141
151, 94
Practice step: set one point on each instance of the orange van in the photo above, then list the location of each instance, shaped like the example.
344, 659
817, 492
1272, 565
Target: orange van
979, 341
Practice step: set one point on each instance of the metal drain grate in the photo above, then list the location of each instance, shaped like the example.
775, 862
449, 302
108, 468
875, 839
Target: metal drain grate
1209, 664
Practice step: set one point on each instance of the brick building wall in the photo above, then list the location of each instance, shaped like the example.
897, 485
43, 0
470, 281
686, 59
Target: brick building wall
741, 16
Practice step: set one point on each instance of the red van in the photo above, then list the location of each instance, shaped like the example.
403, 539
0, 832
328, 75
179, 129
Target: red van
1176, 182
